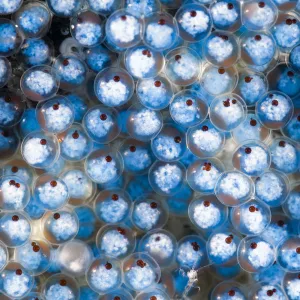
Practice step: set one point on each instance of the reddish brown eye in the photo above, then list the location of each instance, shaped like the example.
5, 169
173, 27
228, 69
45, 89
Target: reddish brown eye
221, 71
75, 135
231, 293
123, 18
108, 266
177, 139
252, 208
7, 99
56, 216
161, 22
157, 239
207, 167
43, 142
103, 117
153, 298
189, 102
248, 150
290, 74
269, 293
12, 182
289, 22
298, 250
226, 103
63, 282
248, 79
19, 272
115, 197
140, 263
230, 6
228, 240
14, 169
206, 203
275, 102
53, 183
177, 57
193, 14
233, 101
261, 4
257, 37
15, 218
117, 298
282, 144
294, 21
280, 223
65, 62
36, 248
132, 148
121, 230
17, 185
153, 205
195, 246
253, 245
253, 122
157, 83
108, 158
117, 78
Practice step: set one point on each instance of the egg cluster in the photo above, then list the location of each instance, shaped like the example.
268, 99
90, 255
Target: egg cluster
149, 149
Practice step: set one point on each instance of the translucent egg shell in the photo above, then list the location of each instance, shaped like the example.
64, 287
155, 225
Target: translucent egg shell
142, 123
11, 38
102, 124
252, 158
16, 281
255, 254
34, 256
194, 22
141, 271
12, 107
170, 143
188, 108
234, 188
228, 289
74, 258
166, 178
114, 86
14, 193
230, 49
207, 213
115, 240
104, 275
251, 218
60, 284
112, 206
104, 166
182, 66
61, 226
288, 254
87, 28
15, 229
161, 245
227, 111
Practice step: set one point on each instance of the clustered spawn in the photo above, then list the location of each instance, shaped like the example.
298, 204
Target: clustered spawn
149, 149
